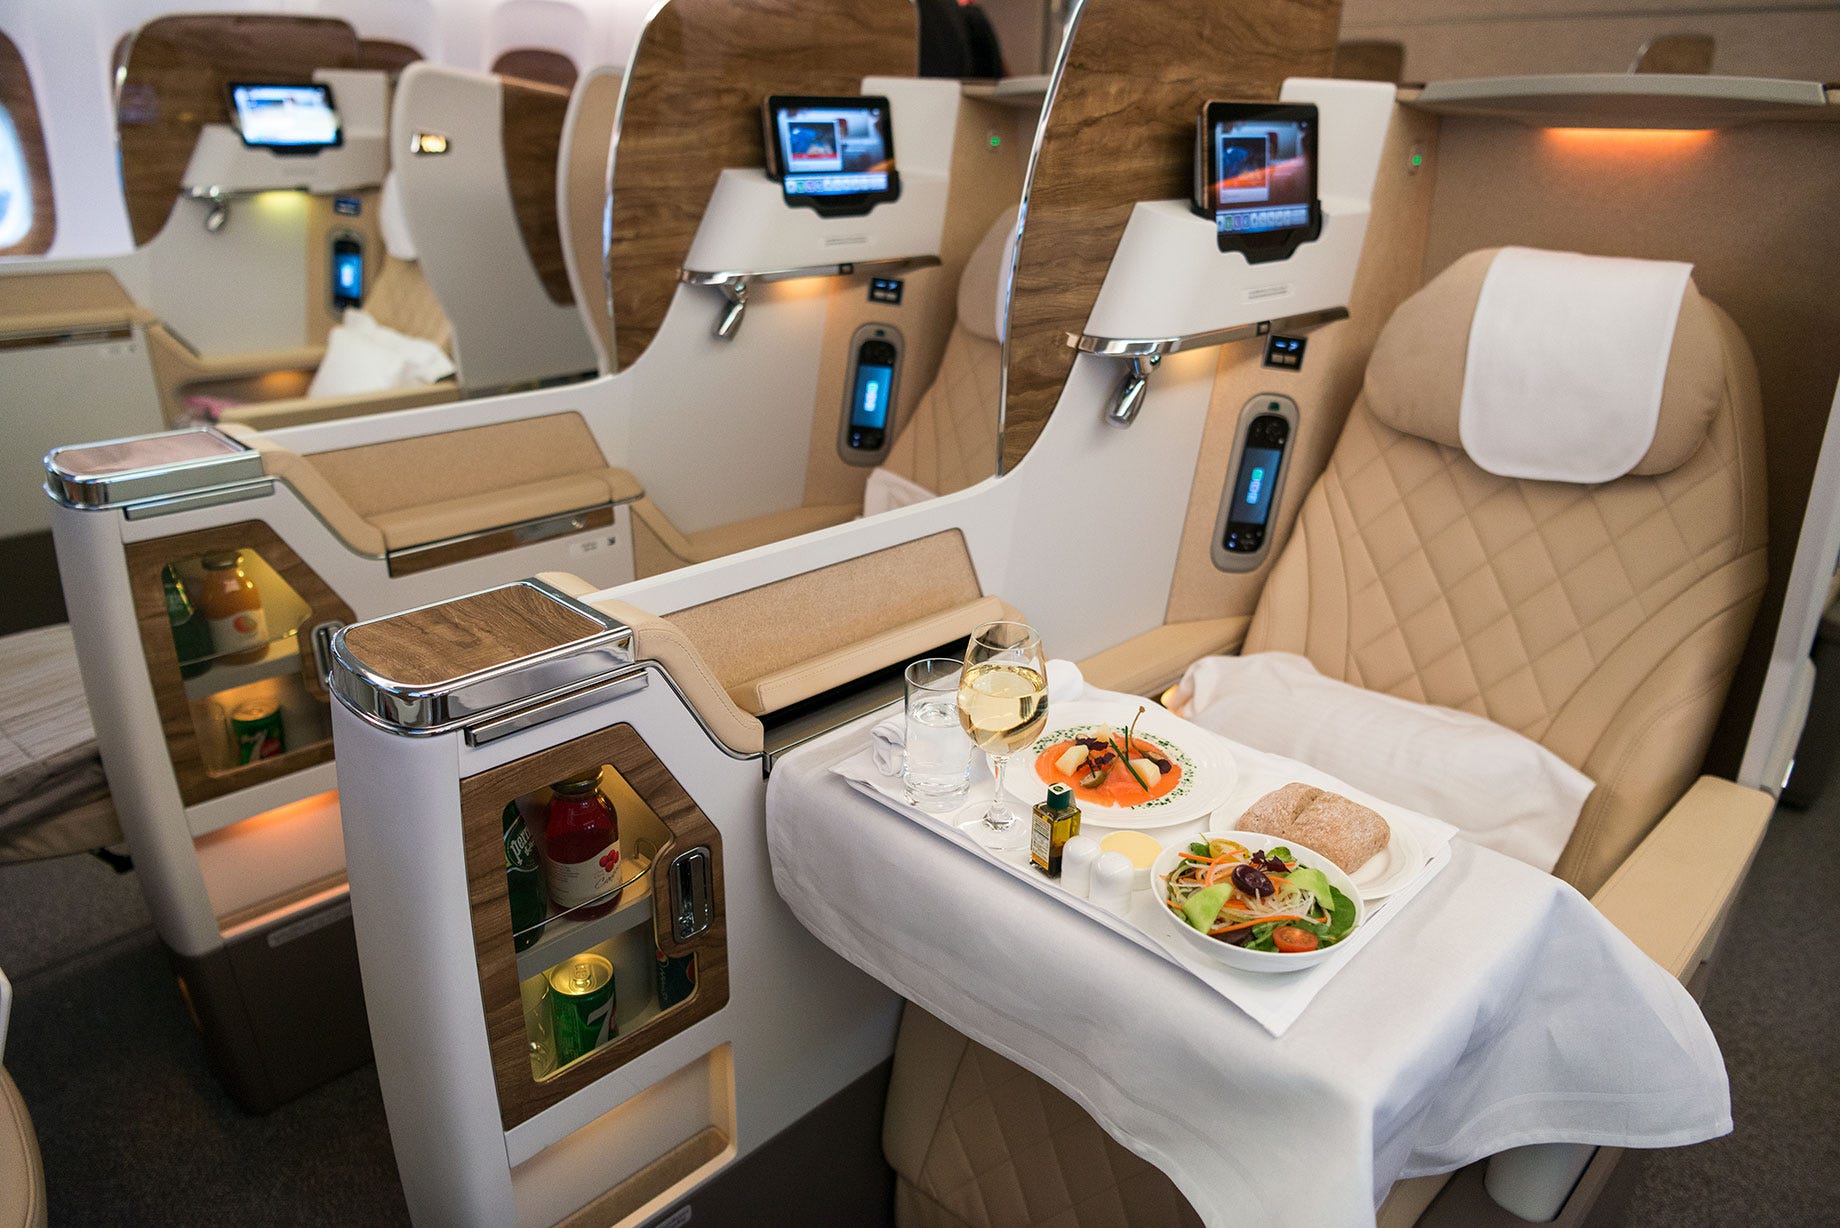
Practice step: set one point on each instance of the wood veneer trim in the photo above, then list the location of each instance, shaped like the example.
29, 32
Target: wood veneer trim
1120, 128
532, 115
22, 104
176, 81
145, 560
483, 798
703, 67
439, 643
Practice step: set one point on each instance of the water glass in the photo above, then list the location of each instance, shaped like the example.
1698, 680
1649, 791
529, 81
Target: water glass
936, 754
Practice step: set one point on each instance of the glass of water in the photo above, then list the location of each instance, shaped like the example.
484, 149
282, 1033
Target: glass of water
936, 754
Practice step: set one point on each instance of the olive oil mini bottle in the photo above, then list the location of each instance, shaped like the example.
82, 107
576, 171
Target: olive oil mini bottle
1055, 822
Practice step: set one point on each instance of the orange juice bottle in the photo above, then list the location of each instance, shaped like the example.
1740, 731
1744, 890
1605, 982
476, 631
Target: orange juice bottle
232, 608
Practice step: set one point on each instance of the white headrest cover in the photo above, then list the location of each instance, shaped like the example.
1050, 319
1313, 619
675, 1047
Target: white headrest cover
983, 289
393, 221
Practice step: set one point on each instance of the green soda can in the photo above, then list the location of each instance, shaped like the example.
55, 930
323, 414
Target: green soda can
255, 731
676, 978
524, 881
582, 1000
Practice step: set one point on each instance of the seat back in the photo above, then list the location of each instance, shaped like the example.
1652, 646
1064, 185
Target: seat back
401, 297
1603, 621
949, 442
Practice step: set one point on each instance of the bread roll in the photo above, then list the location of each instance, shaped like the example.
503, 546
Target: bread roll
1344, 831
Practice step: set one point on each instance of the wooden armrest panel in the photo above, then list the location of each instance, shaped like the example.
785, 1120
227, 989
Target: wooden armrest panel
1669, 895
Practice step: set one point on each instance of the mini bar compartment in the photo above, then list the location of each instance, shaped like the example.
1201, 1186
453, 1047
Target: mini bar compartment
587, 958
226, 620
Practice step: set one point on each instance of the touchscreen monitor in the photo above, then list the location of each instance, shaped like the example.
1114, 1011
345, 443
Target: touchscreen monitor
286, 118
835, 155
1256, 163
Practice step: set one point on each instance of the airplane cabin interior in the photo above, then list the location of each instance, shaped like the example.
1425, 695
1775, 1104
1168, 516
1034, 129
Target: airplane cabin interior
930, 613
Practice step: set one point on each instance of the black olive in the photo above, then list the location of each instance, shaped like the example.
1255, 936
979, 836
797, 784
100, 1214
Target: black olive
1252, 880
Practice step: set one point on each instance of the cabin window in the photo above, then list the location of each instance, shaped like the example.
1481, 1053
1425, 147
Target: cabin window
27, 220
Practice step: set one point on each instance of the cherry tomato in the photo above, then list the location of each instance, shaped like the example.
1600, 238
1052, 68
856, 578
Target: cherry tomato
1293, 941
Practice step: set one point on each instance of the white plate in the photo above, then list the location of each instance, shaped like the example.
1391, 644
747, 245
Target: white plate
1380, 875
1238, 957
1208, 771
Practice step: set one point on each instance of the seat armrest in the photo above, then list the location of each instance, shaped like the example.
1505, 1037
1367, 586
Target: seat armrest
1670, 894
1147, 663
302, 411
659, 639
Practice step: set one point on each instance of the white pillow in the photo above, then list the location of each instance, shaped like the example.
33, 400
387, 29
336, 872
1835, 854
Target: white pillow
1502, 790
425, 361
887, 490
357, 362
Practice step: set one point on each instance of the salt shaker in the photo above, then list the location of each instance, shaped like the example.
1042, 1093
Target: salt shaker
1112, 876
1076, 864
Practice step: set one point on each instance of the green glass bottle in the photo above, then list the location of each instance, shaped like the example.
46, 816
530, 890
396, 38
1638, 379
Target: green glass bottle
191, 634
524, 878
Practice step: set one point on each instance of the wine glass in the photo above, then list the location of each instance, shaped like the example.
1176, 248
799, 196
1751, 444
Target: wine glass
1003, 705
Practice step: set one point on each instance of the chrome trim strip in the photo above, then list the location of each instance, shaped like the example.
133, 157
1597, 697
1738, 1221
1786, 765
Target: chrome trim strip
602, 691
1140, 347
237, 492
536, 529
241, 463
424, 711
727, 278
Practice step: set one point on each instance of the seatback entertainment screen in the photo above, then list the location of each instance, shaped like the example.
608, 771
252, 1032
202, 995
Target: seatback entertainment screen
835, 155
286, 118
1256, 170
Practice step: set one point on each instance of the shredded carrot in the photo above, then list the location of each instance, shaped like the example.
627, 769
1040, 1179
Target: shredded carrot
1240, 925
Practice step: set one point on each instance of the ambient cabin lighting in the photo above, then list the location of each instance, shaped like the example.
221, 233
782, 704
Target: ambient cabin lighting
1631, 140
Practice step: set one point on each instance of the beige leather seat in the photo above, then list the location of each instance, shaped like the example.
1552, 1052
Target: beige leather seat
1602, 621
22, 1171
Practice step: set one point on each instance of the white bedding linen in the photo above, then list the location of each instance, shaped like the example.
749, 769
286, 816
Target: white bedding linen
1567, 356
1499, 1009
1499, 789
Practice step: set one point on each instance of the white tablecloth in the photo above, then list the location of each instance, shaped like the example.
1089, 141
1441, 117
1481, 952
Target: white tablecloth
1498, 1009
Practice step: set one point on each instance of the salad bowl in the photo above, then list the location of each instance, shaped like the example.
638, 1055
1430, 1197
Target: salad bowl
1242, 958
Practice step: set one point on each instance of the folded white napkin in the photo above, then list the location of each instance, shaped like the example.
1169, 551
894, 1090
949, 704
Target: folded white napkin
1567, 356
889, 735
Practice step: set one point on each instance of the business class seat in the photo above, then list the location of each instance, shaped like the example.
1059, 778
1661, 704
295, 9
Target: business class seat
1602, 621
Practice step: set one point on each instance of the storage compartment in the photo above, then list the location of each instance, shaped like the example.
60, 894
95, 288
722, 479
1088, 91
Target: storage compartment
597, 913
227, 617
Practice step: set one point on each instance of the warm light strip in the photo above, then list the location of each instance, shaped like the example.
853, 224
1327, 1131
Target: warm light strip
1670, 137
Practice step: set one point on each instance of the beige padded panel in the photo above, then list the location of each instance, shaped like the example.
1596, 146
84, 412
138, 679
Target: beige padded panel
22, 1170
1602, 621
402, 299
950, 441
1415, 377
471, 513
977, 1140
307, 482
1146, 664
659, 546
387, 477
762, 630
658, 639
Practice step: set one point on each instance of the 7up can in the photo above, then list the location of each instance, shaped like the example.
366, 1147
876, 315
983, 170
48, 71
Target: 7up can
583, 1006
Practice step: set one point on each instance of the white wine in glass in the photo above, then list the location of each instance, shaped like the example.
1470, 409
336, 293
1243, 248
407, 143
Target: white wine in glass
1003, 705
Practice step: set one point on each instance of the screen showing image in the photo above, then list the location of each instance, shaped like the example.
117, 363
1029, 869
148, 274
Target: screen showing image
869, 405
1258, 474
839, 150
285, 116
1261, 174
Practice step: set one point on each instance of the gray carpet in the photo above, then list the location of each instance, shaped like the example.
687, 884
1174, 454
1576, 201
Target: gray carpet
135, 1131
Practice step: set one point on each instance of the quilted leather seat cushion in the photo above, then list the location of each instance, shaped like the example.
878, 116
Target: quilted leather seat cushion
1415, 376
1601, 621
950, 441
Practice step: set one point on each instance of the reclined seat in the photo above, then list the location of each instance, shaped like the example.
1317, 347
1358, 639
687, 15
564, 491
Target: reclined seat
1603, 621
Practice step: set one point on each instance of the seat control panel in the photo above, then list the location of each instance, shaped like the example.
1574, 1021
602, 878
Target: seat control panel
869, 418
1255, 482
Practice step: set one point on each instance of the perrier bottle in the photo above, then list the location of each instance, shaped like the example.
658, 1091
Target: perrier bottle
524, 877
191, 637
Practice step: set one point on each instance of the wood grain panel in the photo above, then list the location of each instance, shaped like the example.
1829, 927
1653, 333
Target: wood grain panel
1373, 59
146, 559
533, 116
703, 67
1120, 128
385, 55
178, 71
537, 66
20, 103
440, 643
482, 802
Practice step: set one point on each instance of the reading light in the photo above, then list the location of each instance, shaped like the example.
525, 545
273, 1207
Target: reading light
428, 143
1132, 391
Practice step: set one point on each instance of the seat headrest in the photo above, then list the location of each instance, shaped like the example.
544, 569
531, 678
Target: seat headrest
392, 221
983, 288
1415, 377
